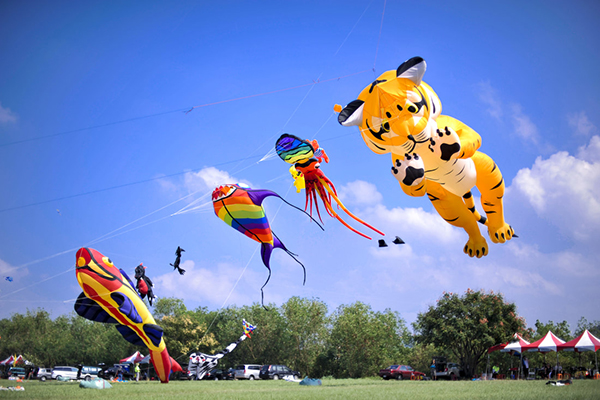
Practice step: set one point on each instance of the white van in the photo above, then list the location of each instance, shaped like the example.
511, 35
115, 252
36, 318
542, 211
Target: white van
64, 372
247, 371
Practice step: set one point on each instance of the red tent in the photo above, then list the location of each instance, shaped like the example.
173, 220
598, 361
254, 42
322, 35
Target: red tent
548, 343
584, 342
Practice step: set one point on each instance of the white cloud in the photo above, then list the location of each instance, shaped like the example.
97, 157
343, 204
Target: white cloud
206, 285
565, 191
195, 184
6, 115
415, 222
487, 95
207, 179
360, 193
6, 268
581, 124
591, 152
524, 127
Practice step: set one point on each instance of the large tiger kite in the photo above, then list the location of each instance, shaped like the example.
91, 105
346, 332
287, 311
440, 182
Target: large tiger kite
432, 154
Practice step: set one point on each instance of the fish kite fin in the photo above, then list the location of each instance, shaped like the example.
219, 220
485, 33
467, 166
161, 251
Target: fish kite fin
130, 335
89, 309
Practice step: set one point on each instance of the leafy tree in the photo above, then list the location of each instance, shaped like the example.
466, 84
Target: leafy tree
184, 334
363, 341
466, 326
168, 306
583, 324
306, 324
561, 329
421, 355
269, 343
184, 331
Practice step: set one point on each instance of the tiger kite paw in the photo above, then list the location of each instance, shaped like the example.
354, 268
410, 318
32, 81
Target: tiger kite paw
476, 247
445, 144
410, 171
501, 234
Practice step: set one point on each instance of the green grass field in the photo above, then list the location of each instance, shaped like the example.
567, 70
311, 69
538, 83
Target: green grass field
369, 388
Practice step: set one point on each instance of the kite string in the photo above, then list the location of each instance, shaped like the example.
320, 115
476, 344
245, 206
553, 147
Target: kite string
36, 283
106, 236
318, 80
379, 37
242, 273
313, 83
230, 293
102, 238
268, 155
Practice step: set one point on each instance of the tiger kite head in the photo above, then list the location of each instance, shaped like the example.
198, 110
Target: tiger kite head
394, 113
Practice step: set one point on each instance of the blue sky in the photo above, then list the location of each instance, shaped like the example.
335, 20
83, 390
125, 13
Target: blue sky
96, 149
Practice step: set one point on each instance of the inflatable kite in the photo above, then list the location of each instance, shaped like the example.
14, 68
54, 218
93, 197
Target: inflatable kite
432, 154
108, 296
241, 208
144, 285
201, 364
177, 261
306, 158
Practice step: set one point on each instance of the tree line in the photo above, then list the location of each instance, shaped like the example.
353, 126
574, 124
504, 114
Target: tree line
352, 341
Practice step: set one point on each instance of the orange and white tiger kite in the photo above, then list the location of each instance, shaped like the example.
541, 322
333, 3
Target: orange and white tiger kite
432, 154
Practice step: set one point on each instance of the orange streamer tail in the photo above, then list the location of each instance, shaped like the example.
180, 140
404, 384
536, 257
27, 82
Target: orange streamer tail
338, 201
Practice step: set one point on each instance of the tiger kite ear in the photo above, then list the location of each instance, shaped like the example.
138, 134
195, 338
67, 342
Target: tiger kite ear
352, 114
412, 69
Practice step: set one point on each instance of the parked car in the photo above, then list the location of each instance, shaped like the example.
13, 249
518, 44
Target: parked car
400, 372
113, 372
64, 372
247, 371
216, 374
89, 373
448, 371
185, 374
230, 374
17, 371
43, 374
277, 372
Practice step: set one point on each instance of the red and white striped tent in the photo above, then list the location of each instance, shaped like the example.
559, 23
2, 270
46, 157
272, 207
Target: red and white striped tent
516, 345
584, 342
546, 344
133, 359
14, 361
21, 360
8, 361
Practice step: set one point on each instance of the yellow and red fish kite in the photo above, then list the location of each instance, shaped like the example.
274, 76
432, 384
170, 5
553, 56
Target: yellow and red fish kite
109, 297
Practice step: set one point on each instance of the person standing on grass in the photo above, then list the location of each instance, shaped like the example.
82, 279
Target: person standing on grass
137, 372
526, 367
433, 370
